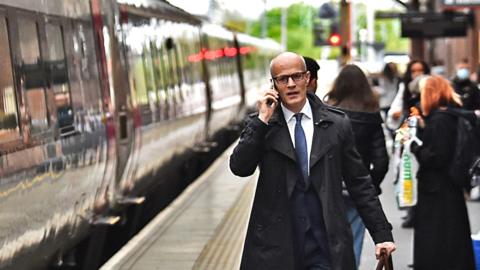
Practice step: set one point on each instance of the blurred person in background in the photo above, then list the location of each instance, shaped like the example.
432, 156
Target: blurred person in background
441, 226
351, 93
400, 109
466, 88
312, 67
387, 88
438, 68
403, 100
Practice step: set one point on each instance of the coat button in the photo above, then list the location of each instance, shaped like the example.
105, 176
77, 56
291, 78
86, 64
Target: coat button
279, 219
330, 156
279, 191
259, 227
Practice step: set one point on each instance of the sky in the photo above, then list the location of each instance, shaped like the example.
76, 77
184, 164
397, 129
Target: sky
252, 9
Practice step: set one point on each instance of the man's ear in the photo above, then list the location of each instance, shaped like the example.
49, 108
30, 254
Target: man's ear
307, 77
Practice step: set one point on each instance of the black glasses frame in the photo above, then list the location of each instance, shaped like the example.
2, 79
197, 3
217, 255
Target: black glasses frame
296, 77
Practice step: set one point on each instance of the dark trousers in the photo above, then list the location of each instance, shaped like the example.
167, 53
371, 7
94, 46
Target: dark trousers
314, 257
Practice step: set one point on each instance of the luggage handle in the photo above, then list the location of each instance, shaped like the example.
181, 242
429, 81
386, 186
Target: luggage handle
385, 261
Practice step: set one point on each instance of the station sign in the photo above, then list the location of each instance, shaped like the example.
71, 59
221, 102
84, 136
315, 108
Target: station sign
435, 25
461, 3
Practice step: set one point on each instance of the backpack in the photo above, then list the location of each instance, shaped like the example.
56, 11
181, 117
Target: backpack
467, 150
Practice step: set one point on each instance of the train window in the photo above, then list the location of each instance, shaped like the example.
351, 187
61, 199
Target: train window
138, 72
171, 64
58, 78
8, 106
32, 75
164, 93
150, 80
84, 69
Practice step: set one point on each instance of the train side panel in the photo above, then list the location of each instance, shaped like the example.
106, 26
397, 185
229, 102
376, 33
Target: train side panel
52, 139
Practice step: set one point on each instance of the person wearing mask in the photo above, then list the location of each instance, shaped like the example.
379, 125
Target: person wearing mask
352, 94
304, 151
312, 67
441, 226
467, 89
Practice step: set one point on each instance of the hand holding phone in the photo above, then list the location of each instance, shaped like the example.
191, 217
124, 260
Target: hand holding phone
272, 102
267, 104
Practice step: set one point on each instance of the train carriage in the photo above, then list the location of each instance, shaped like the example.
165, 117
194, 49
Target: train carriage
53, 144
108, 109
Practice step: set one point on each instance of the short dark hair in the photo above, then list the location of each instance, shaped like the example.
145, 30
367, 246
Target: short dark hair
312, 66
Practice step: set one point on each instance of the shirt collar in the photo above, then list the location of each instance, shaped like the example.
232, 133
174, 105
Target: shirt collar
306, 110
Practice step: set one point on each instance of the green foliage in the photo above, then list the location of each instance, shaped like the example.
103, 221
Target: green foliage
299, 28
389, 31
300, 18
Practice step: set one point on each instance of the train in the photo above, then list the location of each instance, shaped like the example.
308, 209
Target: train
108, 110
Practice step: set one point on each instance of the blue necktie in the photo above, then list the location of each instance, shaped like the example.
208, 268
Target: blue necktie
301, 147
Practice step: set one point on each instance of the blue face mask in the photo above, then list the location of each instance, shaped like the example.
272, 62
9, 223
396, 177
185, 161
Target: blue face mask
463, 73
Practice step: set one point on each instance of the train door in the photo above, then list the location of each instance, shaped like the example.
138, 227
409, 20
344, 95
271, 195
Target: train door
126, 117
116, 93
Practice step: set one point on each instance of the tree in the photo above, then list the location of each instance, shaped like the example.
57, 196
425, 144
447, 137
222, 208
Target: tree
299, 28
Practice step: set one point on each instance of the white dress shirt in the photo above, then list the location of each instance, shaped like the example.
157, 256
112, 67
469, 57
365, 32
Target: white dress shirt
307, 125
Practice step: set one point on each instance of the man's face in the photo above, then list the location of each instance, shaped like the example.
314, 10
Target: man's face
291, 79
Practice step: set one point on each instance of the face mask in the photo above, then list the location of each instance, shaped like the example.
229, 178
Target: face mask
463, 73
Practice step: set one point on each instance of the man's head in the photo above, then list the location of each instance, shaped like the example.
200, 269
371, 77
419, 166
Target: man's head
312, 67
290, 78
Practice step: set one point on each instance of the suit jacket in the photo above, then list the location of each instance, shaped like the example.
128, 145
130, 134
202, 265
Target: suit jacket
333, 159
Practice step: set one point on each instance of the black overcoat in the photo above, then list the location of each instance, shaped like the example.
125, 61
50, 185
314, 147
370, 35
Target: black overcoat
442, 230
370, 143
333, 158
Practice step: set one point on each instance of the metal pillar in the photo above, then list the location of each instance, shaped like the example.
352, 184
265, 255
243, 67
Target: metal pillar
345, 31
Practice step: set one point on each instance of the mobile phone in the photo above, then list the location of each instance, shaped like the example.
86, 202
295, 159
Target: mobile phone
269, 101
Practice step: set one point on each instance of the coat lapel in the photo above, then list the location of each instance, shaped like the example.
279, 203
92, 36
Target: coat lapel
321, 141
279, 137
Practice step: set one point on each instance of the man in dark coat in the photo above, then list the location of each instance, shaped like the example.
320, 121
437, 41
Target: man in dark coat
467, 89
298, 220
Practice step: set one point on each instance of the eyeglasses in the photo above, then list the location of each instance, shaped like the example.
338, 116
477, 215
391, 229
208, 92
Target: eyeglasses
283, 79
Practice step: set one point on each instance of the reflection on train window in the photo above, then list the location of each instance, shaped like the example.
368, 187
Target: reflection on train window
84, 87
150, 80
58, 78
8, 106
32, 75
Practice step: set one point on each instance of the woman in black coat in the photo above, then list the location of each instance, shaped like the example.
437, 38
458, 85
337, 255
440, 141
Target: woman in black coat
442, 230
352, 94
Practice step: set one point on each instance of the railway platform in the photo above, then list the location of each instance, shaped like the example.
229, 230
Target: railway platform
204, 228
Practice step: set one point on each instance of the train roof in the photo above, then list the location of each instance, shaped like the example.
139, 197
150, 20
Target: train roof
158, 9
73, 8
218, 31
265, 43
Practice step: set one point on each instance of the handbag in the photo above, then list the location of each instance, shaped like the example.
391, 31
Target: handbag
385, 261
